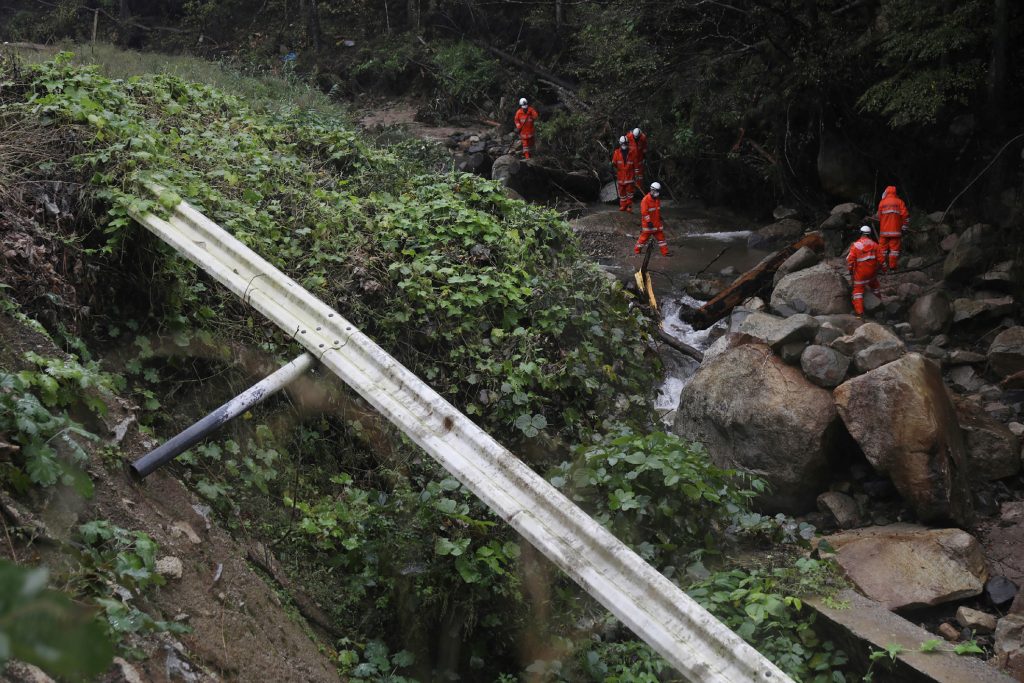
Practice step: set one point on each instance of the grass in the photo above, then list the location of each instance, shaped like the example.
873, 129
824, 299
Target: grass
267, 89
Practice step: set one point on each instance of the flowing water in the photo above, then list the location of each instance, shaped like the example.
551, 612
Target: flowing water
696, 236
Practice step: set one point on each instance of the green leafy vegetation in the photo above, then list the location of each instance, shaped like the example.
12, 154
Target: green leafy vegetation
45, 628
490, 301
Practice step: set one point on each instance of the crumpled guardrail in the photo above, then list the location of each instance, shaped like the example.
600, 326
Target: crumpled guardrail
703, 649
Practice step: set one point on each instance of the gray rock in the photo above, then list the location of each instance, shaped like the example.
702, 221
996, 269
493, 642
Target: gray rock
1004, 277
169, 567
790, 353
777, 332
609, 193
930, 314
847, 322
977, 621
941, 340
755, 413
475, 162
993, 452
1006, 354
842, 507
849, 208
905, 566
902, 329
936, 353
727, 341
823, 366
784, 212
1000, 590
820, 289
949, 242
1016, 428
827, 334
980, 310
1009, 644
1000, 412
871, 302
755, 303
962, 357
729, 271
968, 256
878, 355
936, 217
775, 235
949, 632
864, 336
805, 257
903, 420
965, 379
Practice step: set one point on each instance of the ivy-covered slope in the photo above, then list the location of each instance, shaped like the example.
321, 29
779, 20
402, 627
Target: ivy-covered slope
484, 296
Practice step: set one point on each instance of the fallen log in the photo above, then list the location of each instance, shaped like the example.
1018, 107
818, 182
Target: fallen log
679, 346
527, 66
751, 283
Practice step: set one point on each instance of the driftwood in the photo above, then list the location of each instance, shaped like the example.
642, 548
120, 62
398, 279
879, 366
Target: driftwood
679, 346
749, 284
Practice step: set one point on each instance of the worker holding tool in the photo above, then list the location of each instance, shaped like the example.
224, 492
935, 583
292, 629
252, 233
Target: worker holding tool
650, 220
625, 175
525, 116
863, 262
638, 150
892, 221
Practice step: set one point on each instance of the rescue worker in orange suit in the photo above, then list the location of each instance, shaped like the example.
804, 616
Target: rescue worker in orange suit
863, 262
650, 220
625, 175
892, 220
638, 150
525, 116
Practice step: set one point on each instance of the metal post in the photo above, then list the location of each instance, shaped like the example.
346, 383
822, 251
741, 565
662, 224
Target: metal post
254, 395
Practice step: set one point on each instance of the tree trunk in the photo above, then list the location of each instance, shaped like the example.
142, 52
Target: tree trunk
559, 18
1000, 52
413, 15
312, 18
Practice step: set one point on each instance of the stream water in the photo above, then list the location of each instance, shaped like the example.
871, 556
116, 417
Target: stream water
696, 236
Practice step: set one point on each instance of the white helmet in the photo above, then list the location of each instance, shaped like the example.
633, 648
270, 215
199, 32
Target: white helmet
522, 101
636, 132
865, 230
622, 139
655, 188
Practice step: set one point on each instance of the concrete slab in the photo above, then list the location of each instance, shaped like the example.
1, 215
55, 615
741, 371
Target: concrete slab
867, 623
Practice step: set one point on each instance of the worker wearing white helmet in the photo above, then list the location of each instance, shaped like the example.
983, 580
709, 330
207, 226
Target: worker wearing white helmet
650, 220
625, 175
864, 261
525, 116
638, 149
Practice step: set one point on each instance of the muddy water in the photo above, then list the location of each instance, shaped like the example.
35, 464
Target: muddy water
696, 235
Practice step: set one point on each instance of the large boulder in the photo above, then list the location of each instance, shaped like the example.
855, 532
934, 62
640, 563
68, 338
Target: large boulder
776, 235
993, 452
609, 193
1003, 276
903, 420
805, 257
755, 413
525, 177
981, 309
968, 256
824, 366
905, 566
778, 332
477, 163
930, 314
818, 290
1006, 354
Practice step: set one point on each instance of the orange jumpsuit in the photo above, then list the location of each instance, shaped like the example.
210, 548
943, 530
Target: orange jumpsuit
625, 178
650, 224
638, 150
524, 124
892, 219
863, 261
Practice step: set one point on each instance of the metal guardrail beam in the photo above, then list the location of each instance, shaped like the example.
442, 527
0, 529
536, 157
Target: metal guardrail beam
703, 649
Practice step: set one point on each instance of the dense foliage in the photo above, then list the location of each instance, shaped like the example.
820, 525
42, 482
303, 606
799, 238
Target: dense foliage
484, 296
